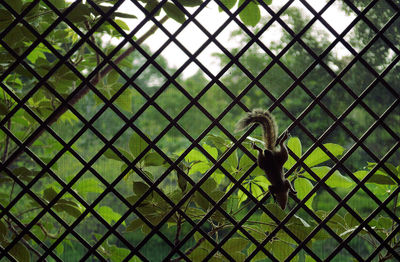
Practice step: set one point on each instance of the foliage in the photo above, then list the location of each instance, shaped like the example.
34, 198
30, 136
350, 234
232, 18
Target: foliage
154, 180
155, 206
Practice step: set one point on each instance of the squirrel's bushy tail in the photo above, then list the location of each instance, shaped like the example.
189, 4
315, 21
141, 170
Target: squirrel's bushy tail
267, 122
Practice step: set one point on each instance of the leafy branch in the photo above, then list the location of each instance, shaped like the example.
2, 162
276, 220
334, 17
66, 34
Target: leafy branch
24, 242
85, 89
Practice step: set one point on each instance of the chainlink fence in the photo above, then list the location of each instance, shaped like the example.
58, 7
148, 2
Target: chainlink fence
117, 133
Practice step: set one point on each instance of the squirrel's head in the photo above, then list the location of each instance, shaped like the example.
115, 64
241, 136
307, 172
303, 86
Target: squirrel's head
282, 198
283, 194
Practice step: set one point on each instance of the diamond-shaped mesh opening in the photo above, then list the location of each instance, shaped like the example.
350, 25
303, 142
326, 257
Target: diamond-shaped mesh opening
119, 138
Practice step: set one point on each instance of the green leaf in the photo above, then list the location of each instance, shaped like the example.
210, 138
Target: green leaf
209, 186
296, 220
322, 235
122, 24
195, 213
375, 178
133, 259
294, 145
200, 167
276, 211
281, 250
137, 144
60, 249
124, 101
218, 177
37, 52
108, 214
231, 163
25, 174
241, 195
256, 191
124, 15
217, 195
80, 13
211, 150
195, 156
148, 174
245, 162
262, 181
15, 4
228, 4
198, 254
268, 2
135, 224
259, 256
68, 202
58, 3
197, 236
335, 180
309, 259
3, 109
111, 155
182, 183
153, 159
385, 222
112, 77
22, 171
300, 231
88, 185
250, 15
318, 156
350, 220
150, 5
132, 199
190, 3
5, 19
64, 73
4, 198
20, 253
68, 117
217, 141
391, 167
174, 12
198, 162
235, 244
175, 195
69, 209
303, 186
14, 37
125, 153
201, 201
139, 188
237, 256
49, 194
335, 221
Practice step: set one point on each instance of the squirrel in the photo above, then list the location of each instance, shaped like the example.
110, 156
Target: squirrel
272, 158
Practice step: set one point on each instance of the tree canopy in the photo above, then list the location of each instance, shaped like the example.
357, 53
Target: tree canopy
98, 134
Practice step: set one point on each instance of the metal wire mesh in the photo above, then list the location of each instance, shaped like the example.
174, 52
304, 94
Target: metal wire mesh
109, 61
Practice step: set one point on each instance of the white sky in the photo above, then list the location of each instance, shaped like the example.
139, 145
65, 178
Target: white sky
192, 37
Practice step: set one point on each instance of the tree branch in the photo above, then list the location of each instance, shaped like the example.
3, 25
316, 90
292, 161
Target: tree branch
178, 229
